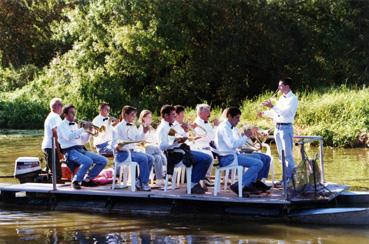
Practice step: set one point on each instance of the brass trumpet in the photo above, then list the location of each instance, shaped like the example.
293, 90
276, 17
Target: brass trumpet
91, 128
260, 136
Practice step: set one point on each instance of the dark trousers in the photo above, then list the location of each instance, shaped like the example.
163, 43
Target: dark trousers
48, 157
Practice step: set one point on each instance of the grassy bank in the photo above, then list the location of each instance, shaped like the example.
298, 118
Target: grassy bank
340, 115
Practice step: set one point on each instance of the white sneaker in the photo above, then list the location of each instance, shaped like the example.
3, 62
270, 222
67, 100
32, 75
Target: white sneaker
159, 183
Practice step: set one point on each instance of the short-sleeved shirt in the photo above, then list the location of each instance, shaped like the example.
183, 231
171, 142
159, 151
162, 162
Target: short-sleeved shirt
52, 121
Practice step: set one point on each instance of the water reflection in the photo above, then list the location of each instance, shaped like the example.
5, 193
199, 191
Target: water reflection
62, 227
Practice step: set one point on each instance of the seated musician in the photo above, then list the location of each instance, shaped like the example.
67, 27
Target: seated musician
102, 142
227, 142
71, 139
51, 124
206, 133
152, 148
176, 150
126, 131
179, 125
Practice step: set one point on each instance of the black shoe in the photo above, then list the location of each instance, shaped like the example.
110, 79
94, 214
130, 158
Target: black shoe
234, 187
89, 183
208, 182
76, 185
197, 189
250, 190
261, 186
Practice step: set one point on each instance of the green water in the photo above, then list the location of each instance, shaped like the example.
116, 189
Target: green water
347, 166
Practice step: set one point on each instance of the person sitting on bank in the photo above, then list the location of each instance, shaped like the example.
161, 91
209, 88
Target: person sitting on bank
227, 142
176, 150
206, 133
126, 131
152, 148
102, 142
51, 124
72, 140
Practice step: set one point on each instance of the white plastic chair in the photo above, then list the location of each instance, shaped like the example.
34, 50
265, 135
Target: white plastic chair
233, 166
129, 175
269, 153
179, 170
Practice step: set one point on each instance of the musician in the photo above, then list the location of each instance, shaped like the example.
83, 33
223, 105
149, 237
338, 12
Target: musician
71, 139
266, 159
179, 125
125, 131
227, 142
283, 114
102, 142
152, 147
176, 150
206, 133
51, 124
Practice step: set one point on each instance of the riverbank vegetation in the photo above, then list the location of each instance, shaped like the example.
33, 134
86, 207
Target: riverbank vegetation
147, 53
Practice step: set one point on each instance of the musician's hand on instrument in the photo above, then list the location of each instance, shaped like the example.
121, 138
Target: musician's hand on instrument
193, 125
268, 103
87, 125
248, 132
185, 127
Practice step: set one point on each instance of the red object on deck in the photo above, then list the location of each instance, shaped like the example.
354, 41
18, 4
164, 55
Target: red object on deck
66, 173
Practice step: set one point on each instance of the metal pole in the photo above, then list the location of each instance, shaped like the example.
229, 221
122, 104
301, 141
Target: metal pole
321, 157
53, 167
284, 176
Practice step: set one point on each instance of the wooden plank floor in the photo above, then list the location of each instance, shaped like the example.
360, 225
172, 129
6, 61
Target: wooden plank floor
275, 196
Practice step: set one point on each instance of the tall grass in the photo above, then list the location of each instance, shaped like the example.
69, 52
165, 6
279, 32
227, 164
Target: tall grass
340, 115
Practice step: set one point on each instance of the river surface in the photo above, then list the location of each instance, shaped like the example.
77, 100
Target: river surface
347, 166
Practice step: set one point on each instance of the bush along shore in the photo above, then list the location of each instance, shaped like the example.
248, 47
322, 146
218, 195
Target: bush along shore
340, 115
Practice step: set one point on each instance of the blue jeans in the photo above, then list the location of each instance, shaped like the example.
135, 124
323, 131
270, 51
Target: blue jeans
201, 165
284, 140
105, 149
263, 173
254, 166
144, 163
85, 160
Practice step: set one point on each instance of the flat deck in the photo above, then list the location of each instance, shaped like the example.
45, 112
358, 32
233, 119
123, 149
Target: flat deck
275, 197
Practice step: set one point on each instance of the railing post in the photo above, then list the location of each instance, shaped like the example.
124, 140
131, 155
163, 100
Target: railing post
321, 158
53, 167
284, 175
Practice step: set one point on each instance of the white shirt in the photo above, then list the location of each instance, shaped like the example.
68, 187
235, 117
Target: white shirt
285, 109
124, 132
205, 131
178, 127
69, 135
105, 136
150, 136
52, 121
165, 141
226, 140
